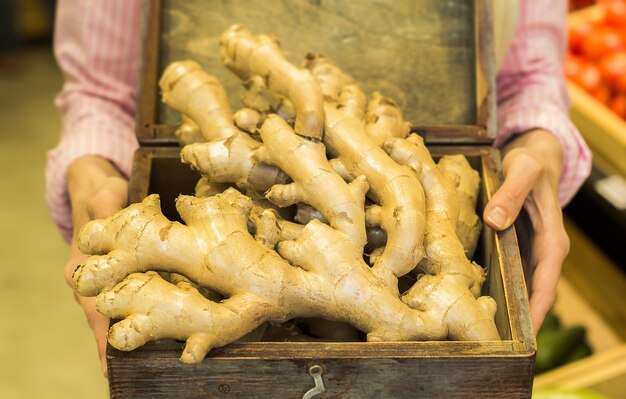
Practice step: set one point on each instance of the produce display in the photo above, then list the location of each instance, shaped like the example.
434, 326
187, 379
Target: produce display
557, 345
576, 4
597, 54
556, 393
315, 202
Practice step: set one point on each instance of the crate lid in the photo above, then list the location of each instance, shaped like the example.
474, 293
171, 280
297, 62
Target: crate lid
434, 58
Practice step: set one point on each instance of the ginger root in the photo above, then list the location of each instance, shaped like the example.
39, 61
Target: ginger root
327, 268
445, 254
257, 265
467, 181
305, 162
227, 154
394, 186
188, 132
248, 56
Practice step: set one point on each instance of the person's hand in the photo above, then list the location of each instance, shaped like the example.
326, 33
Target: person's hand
97, 190
532, 165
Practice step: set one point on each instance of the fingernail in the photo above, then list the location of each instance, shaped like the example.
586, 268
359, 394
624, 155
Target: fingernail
498, 218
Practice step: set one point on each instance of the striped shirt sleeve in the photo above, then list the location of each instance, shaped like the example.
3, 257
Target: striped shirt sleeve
96, 46
532, 92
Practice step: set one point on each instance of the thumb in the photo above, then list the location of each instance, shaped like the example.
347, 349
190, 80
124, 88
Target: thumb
520, 177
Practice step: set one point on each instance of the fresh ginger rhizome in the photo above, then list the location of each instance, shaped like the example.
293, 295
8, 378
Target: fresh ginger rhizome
309, 139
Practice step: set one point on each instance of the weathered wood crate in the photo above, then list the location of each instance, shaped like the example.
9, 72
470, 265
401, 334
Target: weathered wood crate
434, 58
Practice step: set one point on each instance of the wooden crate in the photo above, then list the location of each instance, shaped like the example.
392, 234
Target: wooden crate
350, 370
497, 369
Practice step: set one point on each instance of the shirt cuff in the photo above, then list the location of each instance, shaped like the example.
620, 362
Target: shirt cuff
95, 134
576, 154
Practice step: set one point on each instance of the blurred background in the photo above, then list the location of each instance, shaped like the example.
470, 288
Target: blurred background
46, 349
581, 345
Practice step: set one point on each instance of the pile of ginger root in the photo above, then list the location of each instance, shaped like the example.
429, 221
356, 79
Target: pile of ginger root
314, 203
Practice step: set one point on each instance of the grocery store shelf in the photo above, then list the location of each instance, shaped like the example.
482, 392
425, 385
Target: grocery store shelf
591, 293
599, 209
604, 131
573, 309
597, 279
604, 373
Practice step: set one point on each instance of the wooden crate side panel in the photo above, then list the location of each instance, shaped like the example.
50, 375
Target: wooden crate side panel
485, 69
491, 250
453, 135
485, 377
169, 350
147, 96
138, 184
510, 273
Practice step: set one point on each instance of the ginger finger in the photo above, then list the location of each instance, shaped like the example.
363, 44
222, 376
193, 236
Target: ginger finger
469, 225
263, 100
188, 132
247, 119
226, 157
186, 87
305, 162
396, 187
444, 252
152, 308
383, 120
248, 55
232, 160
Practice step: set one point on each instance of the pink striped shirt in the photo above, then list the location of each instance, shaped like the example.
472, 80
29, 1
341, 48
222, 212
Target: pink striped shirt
532, 91
97, 47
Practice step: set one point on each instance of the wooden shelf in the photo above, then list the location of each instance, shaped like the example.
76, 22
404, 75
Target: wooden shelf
597, 279
603, 130
573, 309
604, 373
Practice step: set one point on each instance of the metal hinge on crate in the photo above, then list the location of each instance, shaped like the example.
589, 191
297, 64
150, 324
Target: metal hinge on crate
316, 372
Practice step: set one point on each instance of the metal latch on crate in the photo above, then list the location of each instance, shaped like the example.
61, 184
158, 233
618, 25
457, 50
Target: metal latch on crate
316, 372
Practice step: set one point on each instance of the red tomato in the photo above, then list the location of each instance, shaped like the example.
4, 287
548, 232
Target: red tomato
612, 66
576, 4
618, 105
620, 84
573, 65
601, 41
615, 13
602, 93
577, 35
588, 77
604, 3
